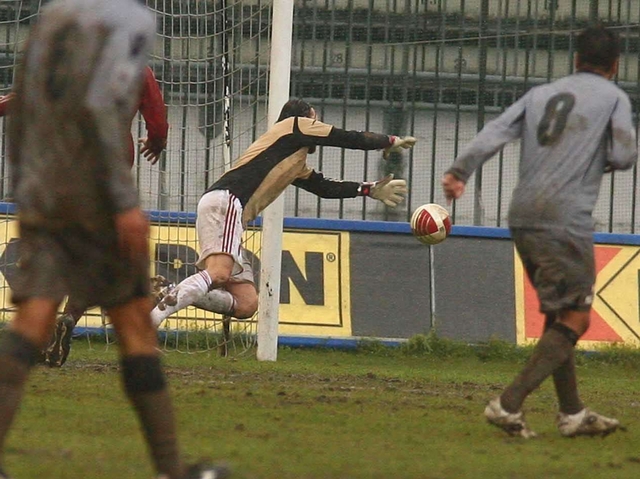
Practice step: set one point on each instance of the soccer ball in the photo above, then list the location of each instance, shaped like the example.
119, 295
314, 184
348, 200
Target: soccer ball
430, 223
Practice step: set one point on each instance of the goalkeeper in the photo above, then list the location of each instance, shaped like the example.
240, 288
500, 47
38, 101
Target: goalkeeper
277, 159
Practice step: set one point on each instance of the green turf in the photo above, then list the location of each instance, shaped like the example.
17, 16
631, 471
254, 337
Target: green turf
375, 413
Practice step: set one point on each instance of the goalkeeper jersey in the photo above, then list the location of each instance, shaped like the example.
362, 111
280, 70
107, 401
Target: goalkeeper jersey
69, 129
279, 158
571, 131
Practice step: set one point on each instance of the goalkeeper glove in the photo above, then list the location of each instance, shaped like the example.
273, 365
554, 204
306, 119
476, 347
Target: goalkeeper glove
389, 191
398, 143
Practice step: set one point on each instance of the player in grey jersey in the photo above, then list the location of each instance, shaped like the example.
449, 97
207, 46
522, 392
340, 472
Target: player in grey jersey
572, 132
82, 231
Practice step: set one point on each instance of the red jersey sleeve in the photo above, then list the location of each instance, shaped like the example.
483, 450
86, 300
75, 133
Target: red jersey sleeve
5, 101
153, 109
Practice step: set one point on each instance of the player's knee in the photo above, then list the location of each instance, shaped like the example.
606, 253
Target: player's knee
135, 331
246, 307
577, 321
219, 278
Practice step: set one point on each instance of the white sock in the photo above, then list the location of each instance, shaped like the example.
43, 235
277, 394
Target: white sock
217, 301
185, 294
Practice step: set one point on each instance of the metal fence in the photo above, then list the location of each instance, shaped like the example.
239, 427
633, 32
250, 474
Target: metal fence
436, 69
440, 70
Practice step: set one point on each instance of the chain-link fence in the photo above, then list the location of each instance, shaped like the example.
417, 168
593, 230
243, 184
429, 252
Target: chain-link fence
435, 69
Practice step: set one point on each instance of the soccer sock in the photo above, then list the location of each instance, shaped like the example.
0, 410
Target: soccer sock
185, 294
217, 301
17, 357
566, 384
564, 379
145, 385
554, 348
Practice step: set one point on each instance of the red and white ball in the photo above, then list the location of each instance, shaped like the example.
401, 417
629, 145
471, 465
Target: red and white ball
431, 223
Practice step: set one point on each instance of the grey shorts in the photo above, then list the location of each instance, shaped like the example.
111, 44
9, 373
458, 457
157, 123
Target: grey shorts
79, 263
560, 265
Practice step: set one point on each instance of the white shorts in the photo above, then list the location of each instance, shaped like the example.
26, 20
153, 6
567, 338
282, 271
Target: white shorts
219, 227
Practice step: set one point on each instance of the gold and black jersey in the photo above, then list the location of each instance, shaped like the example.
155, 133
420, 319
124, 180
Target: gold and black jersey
279, 158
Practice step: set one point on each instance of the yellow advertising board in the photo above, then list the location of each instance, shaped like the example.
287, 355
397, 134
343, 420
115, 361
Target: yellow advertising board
315, 293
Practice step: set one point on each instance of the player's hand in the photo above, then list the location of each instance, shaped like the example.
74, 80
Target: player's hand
152, 149
453, 187
399, 143
132, 228
391, 192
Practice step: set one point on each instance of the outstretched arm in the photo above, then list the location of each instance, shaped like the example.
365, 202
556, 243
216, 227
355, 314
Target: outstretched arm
497, 133
488, 142
314, 132
623, 152
389, 191
154, 113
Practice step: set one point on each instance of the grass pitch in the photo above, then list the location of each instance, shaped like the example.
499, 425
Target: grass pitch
413, 413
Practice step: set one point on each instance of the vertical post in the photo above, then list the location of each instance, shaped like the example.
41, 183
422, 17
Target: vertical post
478, 210
593, 11
271, 256
226, 80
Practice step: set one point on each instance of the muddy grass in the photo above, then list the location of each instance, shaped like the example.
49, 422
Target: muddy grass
317, 414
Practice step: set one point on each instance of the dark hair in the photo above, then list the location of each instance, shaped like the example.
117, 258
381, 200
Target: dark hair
597, 47
297, 107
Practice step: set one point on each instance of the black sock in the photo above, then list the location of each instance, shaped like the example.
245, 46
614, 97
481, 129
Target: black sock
554, 348
145, 386
17, 357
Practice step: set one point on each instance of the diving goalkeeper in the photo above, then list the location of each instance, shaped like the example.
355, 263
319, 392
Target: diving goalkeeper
274, 161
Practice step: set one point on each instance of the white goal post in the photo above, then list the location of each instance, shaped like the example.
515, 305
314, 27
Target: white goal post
273, 215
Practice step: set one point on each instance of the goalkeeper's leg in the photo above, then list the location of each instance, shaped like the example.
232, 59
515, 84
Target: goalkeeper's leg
193, 289
240, 290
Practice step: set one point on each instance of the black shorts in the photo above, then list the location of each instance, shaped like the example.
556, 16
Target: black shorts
83, 264
560, 265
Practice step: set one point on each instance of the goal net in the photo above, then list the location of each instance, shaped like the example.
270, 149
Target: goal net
211, 62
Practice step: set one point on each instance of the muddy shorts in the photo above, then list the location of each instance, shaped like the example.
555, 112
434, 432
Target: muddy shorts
560, 265
86, 265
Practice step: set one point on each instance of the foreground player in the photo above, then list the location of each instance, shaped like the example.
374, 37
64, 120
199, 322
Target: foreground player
154, 112
273, 162
573, 131
78, 205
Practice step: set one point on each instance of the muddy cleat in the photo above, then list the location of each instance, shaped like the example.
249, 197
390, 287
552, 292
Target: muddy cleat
167, 296
58, 350
203, 471
587, 423
207, 471
160, 287
3, 475
512, 423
